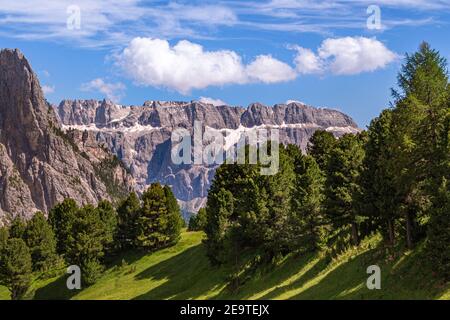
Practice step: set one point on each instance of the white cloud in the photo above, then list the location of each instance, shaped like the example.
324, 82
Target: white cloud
112, 91
187, 66
214, 102
269, 70
48, 89
344, 56
307, 62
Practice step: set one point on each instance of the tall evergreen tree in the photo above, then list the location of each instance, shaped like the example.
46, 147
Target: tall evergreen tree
320, 146
17, 228
15, 267
108, 217
152, 221
421, 105
126, 214
174, 220
85, 246
40, 238
379, 198
439, 232
342, 184
61, 217
198, 222
308, 221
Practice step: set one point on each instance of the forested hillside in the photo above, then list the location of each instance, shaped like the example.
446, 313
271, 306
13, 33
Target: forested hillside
379, 197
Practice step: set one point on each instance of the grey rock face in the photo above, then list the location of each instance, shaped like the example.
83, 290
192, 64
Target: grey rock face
39, 164
141, 135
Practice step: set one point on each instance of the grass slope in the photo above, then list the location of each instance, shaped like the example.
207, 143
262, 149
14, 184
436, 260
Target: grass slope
183, 272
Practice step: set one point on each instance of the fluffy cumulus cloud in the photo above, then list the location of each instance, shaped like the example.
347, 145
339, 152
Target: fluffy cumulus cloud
112, 91
187, 66
269, 70
344, 56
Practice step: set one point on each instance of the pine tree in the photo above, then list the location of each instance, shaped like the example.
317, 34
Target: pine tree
379, 198
174, 220
419, 123
40, 238
90, 237
17, 228
198, 222
152, 221
439, 232
320, 146
15, 267
219, 210
307, 222
127, 213
108, 217
4, 236
61, 218
342, 184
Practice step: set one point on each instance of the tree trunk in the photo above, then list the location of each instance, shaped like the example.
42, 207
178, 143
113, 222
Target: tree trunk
391, 232
409, 231
355, 237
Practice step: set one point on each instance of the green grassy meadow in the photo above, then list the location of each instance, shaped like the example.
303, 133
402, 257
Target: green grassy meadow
184, 272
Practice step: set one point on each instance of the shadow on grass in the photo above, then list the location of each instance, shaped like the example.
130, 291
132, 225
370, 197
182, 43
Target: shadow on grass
55, 290
187, 275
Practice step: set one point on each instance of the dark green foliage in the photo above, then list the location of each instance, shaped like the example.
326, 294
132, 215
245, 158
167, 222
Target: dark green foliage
249, 209
40, 238
90, 236
342, 184
17, 228
61, 218
175, 221
198, 222
108, 217
320, 146
307, 223
219, 210
159, 221
92, 269
4, 236
126, 215
439, 232
15, 267
379, 199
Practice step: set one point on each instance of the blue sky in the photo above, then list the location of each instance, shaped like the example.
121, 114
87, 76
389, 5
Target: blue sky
335, 54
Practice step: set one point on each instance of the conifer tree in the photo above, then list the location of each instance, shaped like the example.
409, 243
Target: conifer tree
126, 215
61, 217
15, 267
41, 241
342, 184
152, 221
174, 220
320, 146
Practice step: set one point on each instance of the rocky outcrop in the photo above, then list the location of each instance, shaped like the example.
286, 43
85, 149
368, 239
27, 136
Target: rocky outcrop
141, 135
40, 164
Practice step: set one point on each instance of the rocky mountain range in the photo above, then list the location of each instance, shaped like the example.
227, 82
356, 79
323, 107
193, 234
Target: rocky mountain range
40, 164
91, 150
141, 135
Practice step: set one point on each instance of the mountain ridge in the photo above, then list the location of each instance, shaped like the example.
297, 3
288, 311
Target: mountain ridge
39, 164
140, 135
